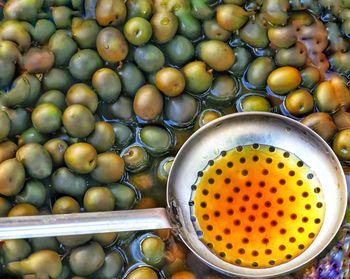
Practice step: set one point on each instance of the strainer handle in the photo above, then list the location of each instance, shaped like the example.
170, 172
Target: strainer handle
83, 223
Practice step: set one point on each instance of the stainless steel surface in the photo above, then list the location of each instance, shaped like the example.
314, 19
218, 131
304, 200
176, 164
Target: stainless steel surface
83, 223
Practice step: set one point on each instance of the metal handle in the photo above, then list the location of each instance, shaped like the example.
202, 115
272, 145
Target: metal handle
83, 223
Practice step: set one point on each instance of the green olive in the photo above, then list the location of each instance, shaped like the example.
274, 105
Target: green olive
12, 176
322, 124
74, 240
8, 72
149, 58
284, 79
341, 145
110, 12
123, 135
231, 17
105, 239
19, 120
153, 250
112, 267
56, 148
223, 90
99, 199
136, 158
164, 26
78, 120
156, 139
23, 209
54, 97
142, 272
5, 207
214, 31
164, 169
310, 76
125, 195
179, 50
34, 193
122, 109
44, 243
62, 16
294, 56
138, 31
65, 205
9, 51
282, 36
31, 135
132, 78
84, 32
148, 102
63, 47
37, 61
103, 137
255, 103
81, 157
46, 118
198, 78
68, 183
85, 62
82, 94
107, 84
275, 11
142, 8
259, 70
109, 168
299, 102
15, 250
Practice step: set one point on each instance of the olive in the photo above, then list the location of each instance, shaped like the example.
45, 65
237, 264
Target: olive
201, 9
153, 250
78, 121
17, 93
42, 30
294, 56
142, 272
282, 36
84, 32
338, 62
111, 45
142, 8
342, 119
105, 239
65, 205
103, 137
13, 30
217, 54
109, 168
170, 81
82, 94
181, 111
5, 207
214, 31
5, 125
259, 70
7, 150
63, 47
68, 183
310, 76
275, 11
19, 120
231, 17
110, 12
284, 79
57, 79
22, 10
207, 116
46, 118
33, 192
189, 26
99, 199
164, 169
132, 78
62, 16
179, 50
255, 103
123, 135
12, 176
198, 78
122, 109
23, 209
44, 243
74, 240
137, 31
81, 157
242, 59
56, 148
254, 33
112, 267
136, 158
146, 202
156, 140
124, 194
322, 124
34, 92
7, 74
149, 58
36, 160
15, 250
37, 61
148, 102
164, 26
86, 259
107, 84
185, 275
223, 90
299, 102
84, 63
9, 51
341, 144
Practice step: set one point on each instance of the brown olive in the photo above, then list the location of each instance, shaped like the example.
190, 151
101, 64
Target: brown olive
148, 102
170, 81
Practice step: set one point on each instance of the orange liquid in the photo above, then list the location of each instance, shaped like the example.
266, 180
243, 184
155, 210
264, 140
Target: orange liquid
257, 206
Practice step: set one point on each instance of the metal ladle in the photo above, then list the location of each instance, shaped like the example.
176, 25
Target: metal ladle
207, 143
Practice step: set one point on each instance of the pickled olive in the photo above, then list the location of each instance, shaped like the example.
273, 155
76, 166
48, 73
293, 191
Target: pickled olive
15, 31
299, 102
223, 90
34, 91
283, 80
84, 32
183, 275
5, 125
46, 118
294, 56
31, 135
62, 46
57, 79
7, 150
22, 10
341, 144
42, 30
170, 81
15, 250
62, 16
33, 192
179, 50
282, 36
82, 94
7, 74
109, 168
81, 157
5, 207
342, 119
123, 135
197, 78
214, 31
153, 250
107, 84
122, 109
142, 272
68, 183
56, 148
207, 116
78, 121
255, 103
259, 71
148, 102
85, 62
136, 158
125, 195
254, 33
149, 58
36, 60
112, 266
164, 26
17, 94
310, 77
156, 140
23, 209
99, 199
142, 8
231, 17
36, 160
242, 59
110, 12
19, 120
322, 124
103, 137
275, 11
44, 243
132, 78
9, 51
181, 111
146, 202
137, 31
12, 177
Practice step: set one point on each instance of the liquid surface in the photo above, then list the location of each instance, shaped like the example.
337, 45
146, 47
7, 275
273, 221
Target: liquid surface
257, 206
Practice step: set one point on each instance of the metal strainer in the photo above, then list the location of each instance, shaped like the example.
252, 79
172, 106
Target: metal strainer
251, 194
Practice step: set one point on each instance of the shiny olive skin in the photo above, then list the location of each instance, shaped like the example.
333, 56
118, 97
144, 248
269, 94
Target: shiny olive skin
310, 77
12, 176
207, 116
57, 79
322, 124
34, 92
109, 168
7, 75
148, 102
170, 81
153, 250
122, 109
81, 157
186, 275
42, 31
137, 31
132, 78
86, 259
136, 158
125, 195
74, 240
99, 199
107, 84
255, 103
198, 78
65, 205
164, 168
142, 272
36, 160
78, 121
164, 26
103, 137
15, 250
179, 50
282, 36
56, 148
9, 51
341, 144
46, 118
7, 150
214, 31
84, 63
19, 120
54, 97
31, 135
259, 71
284, 79
231, 17
149, 58
299, 102
23, 209
254, 33
105, 239
37, 61
110, 12
242, 59
123, 135
223, 90
275, 11
5, 125
82, 94
342, 119
294, 56
33, 192
155, 139
84, 32
63, 47
142, 8
62, 16
5, 207
44, 243
112, 267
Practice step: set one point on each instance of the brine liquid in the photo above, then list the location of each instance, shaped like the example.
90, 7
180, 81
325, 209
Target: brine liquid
257, 206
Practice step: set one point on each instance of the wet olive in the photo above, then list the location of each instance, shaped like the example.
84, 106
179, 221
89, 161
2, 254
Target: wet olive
33, 192
63, 47
65, 205
142, 272
181, 111
109, 168
132, 78
22, 10
68, 183
231, 17
125, 195
137, 31
78, 121
284, 79
179, 50
5, 207
275, 11
122, 109
112, 267
46, 118
294, 56
23, 209
299, 102
207, 116
164, 168
149, 58
111, 45
185, 275
142, 8
254, 33
81, 157
19, 120
341, 145
136, 158
5, 125
84, 32
37, 61
342, 119
123, 135
43, 30
338, 62
107, 84
153, 250
282, 36
57, 79
259, 71
198, 78
322, 124
146, 202
44, 243
17, 94
9, 51
62, 16
74, 240
242, 59
99, 199
170, 81
56, 148
34, 92
86, 259
223, 90
82, 94
105, 239
84, 63
7, 74
15, 250
214, 31
148, 102
12, 176
110, 12
36, 160
255, 103
156, 140
103, 137
13, 30
164, 26
7, 150
310, 76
